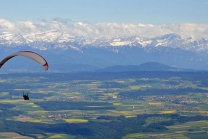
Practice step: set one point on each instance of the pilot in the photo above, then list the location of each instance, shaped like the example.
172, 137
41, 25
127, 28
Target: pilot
26, 97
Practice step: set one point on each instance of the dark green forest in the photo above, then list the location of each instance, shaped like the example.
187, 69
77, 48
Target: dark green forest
114, 127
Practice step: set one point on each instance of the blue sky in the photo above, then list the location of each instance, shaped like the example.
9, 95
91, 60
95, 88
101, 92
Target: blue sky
117, 11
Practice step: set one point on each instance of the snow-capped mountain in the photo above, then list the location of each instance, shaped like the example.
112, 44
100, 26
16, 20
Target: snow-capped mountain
54, 40
107, 44
60, 34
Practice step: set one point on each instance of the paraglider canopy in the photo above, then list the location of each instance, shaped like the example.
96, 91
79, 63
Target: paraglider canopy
29, 54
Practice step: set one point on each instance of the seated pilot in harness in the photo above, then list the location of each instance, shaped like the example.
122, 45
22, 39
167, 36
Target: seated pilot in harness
26, 97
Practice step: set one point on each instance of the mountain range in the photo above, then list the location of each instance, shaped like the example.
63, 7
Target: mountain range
87, 47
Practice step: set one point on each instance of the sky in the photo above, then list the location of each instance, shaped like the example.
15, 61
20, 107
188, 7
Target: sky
154, 12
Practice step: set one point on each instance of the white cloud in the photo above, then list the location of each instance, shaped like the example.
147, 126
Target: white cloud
107, 30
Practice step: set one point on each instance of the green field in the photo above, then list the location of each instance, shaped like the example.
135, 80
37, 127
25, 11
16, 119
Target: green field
81, 99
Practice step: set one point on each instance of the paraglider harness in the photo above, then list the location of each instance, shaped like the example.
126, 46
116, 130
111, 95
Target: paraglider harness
26, 97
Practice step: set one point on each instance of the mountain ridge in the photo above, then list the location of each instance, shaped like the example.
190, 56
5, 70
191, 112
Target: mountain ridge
149, 66
77, 43
57, 34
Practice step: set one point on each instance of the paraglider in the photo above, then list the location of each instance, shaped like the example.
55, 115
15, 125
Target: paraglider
29, 54
26, 97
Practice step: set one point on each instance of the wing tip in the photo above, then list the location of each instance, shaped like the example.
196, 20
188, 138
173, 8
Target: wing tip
45, 66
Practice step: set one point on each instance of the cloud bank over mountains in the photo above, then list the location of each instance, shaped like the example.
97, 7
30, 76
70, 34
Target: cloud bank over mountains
51, 31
